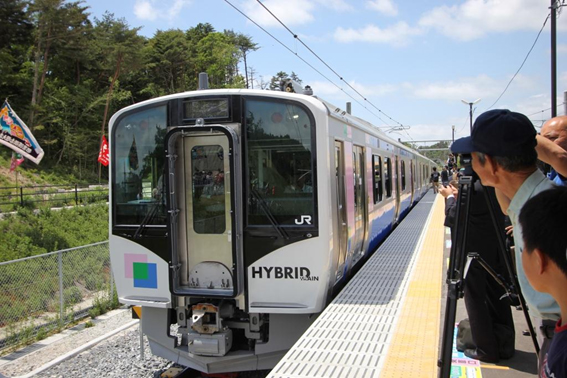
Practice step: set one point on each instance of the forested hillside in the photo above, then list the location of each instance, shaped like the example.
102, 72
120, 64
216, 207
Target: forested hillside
65, 73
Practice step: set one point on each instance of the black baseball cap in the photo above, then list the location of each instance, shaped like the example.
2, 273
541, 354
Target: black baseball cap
498, 132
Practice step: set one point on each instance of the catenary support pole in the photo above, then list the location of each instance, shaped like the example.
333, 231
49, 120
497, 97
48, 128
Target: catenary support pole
553, 59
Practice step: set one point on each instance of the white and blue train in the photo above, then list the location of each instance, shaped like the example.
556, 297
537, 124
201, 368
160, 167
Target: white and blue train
236, 215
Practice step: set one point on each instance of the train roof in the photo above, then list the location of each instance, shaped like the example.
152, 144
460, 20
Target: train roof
332, 110
338, 113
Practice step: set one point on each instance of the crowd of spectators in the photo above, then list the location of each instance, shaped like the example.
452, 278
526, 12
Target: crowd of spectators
505, 149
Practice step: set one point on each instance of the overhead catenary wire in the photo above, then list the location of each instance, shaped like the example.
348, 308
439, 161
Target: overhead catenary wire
325, 63
522, 65
544, 110
303, 60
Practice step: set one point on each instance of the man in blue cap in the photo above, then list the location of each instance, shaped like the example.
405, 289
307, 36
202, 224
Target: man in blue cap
502, 145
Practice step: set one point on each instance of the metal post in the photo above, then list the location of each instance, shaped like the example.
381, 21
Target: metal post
565, 103
553, 59
22, 196
111, 281
76, 195
453, 134
470, 113
61, 299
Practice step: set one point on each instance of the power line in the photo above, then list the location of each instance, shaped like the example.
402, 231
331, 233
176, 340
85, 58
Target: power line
544, 110
325, 63
522, 65
303, 60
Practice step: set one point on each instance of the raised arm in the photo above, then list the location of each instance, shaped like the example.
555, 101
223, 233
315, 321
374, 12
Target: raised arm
552, 154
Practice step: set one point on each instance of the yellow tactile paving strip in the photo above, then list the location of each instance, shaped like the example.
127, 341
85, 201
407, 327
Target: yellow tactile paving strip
414, 348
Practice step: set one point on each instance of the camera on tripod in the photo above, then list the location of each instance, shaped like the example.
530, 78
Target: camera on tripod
465, 161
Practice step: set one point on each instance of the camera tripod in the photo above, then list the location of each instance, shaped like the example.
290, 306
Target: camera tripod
459, 263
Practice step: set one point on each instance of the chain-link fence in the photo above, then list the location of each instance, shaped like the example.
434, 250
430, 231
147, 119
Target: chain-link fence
40, 294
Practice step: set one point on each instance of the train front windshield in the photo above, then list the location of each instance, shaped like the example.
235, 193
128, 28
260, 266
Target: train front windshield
278, 154
138, 163
279, 143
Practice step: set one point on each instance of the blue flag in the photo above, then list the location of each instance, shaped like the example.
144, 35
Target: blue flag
16, 135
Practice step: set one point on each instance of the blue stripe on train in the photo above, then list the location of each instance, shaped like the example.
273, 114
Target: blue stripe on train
380, 228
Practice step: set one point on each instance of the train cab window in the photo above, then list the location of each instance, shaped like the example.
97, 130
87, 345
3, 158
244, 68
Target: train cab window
403, 169
208, 189
388, 177
377, 181
139, 160
280, 149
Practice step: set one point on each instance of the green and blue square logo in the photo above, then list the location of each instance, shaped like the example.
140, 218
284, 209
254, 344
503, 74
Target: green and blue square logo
144, 274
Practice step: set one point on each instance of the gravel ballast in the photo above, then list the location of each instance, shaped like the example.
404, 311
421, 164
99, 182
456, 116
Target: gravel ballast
115, 356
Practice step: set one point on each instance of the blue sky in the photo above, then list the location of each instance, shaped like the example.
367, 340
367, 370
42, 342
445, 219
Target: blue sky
413, 60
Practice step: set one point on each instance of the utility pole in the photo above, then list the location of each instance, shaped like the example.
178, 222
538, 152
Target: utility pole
553, 59
470, 104
252, 72
453, 134
565, 103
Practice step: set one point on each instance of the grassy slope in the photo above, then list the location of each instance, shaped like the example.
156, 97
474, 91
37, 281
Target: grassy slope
25, 233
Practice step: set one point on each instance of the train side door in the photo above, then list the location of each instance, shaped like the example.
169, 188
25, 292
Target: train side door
360, 205
341, 229
397, 184
412, 181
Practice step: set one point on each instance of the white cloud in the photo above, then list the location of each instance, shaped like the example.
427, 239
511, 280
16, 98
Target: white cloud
152, 10
397, 34
290, 12
476, 18
385, 7
144, 10
176, 8
338, 5
468, 88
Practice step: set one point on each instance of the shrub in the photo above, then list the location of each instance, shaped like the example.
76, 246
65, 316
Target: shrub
72, 295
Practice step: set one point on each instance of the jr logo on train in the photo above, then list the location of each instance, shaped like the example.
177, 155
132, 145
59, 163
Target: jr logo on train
237, 215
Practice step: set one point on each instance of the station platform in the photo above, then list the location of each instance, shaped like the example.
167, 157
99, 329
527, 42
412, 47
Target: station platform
387, 321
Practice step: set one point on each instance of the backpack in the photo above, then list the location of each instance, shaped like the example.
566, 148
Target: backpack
435, 177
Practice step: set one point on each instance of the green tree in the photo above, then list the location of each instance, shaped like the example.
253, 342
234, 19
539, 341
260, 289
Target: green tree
120, 48
58, 24
280, 76
244, 44
167, 59
217, 56
16, 30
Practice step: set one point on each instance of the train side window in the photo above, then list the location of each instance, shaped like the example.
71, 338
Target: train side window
377, 182
388, 176
354, 161
403, 168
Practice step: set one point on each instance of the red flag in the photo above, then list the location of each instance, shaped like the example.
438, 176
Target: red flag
17, 159
103, 153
